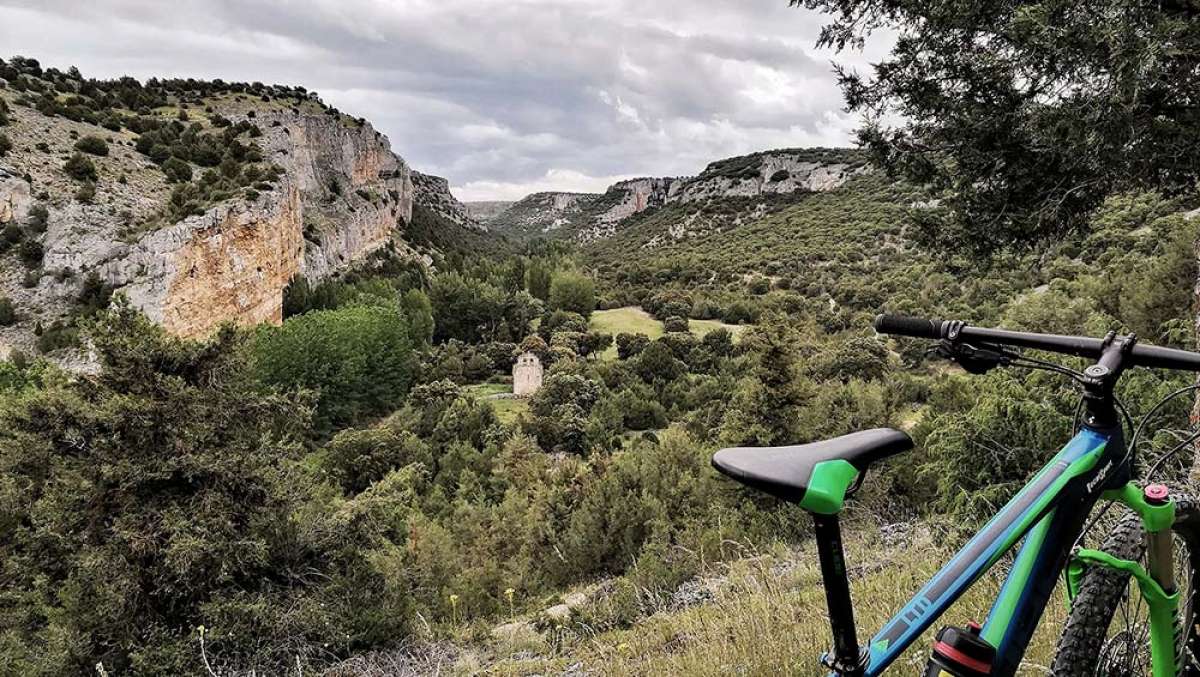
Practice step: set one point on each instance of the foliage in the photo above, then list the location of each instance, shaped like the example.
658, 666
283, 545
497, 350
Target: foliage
573, 292
92, 145
80, 168
1020, 118
356, 459
169, 472
8, 312
357, 361
419, 312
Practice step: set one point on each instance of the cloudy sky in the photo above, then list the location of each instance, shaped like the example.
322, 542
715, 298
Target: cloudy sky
502, 97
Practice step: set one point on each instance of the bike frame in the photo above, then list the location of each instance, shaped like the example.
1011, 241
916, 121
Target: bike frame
1049, 514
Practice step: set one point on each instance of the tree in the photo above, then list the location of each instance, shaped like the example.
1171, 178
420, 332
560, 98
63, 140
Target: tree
538, 282
168, 486
176, 170
5, 144
357, 360
465, 308
766, 406
574, 292
1022, 118
419, 311
629, 345
80, 168
92, 145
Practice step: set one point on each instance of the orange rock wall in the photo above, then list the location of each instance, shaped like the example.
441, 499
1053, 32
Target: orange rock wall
235, 270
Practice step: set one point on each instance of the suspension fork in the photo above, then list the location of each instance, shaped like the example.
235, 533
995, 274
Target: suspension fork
1156, 581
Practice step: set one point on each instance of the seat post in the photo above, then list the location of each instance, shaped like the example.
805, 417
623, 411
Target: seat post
847, 658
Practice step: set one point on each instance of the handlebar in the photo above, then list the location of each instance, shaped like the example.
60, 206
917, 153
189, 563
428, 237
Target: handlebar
1079, 346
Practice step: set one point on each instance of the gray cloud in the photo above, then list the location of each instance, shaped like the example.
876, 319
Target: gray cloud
501, 97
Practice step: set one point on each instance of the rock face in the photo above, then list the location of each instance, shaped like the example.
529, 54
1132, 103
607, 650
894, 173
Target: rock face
543, 213
15, 199
343, 194
486, 210
231, 263
353, 189
433, 192
589, 217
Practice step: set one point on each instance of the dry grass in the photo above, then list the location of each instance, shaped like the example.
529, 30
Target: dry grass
768, 618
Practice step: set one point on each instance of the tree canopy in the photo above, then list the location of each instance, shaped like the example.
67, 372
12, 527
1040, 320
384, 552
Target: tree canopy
1019, 117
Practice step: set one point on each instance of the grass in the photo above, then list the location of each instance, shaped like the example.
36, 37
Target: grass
768, 618
507, 409
634, 320
482, 390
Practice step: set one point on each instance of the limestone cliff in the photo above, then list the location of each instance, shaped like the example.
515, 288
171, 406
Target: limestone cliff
341, 194
433, 193
761, 176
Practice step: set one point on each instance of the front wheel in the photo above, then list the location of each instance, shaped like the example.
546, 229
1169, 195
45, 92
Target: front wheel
1108, 630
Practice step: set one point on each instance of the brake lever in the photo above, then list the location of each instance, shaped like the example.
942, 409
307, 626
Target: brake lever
976, 359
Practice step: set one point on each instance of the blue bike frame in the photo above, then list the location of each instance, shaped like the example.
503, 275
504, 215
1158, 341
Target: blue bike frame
1048, 513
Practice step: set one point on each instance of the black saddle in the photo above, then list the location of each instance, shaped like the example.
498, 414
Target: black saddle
818, 475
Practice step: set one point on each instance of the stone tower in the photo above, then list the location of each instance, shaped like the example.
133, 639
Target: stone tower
527, 375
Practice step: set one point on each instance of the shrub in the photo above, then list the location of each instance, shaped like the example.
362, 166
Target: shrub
8, 312
57, 336
675, 324
356, 459
170, 471
5, 144
94, 295
10, 235
176, 170
86, 192
92, 145
80, 168
629, 345
31, 253
39, 216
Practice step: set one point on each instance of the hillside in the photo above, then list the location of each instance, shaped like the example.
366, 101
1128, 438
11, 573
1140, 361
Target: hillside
486, 210
759, 181
198, 201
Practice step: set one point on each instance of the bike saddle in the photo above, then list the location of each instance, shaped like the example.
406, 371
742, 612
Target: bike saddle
818, 475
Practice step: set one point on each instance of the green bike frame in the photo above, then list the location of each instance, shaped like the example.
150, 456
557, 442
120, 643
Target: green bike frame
1048, 514
1161, 596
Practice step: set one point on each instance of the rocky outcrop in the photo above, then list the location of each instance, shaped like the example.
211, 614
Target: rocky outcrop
343, 194
637, 195
15, 199
775, 172
232, 263
353, 188
433, 193
543, 213
767, 174
486, 210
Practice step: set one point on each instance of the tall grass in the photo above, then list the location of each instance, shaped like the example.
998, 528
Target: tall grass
768, 618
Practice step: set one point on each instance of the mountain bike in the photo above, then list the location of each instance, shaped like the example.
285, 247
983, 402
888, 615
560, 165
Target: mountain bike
1132, 600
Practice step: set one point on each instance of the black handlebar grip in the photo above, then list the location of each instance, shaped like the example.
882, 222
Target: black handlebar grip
908, 326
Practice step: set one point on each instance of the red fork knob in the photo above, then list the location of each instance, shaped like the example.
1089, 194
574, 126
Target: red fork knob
1156, 494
